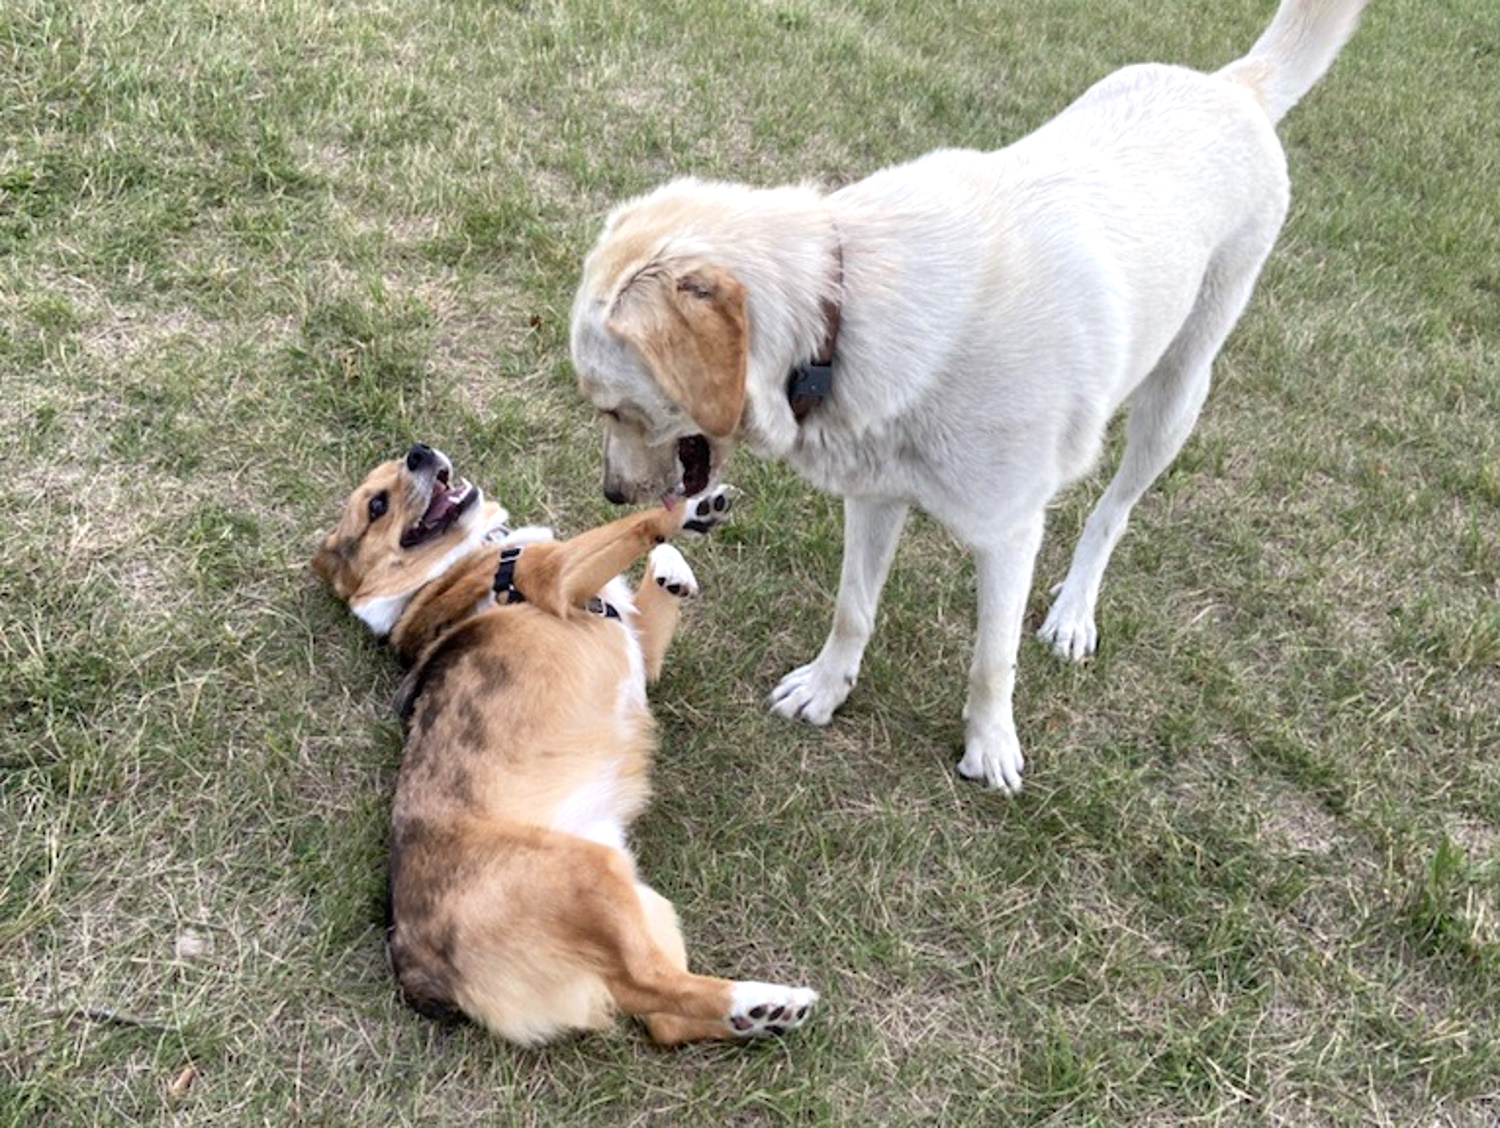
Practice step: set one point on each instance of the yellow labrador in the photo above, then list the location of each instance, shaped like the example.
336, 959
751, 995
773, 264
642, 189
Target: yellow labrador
955, 333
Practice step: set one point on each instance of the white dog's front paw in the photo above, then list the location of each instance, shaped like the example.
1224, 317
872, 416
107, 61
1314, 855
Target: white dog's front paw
708, 510
811, 693
992, 755
1069, 627
670, 570
758, 1009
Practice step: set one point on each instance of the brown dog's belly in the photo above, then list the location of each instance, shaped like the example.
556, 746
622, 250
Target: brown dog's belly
525, 761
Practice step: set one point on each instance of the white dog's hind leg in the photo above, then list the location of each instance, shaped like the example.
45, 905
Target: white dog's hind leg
992, 751
1163, 412
1160, 421
872, 529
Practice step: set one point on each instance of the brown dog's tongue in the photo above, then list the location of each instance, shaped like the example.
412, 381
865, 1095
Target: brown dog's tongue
439, 507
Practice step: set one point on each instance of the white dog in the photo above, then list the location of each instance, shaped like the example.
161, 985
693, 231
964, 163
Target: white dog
955, 333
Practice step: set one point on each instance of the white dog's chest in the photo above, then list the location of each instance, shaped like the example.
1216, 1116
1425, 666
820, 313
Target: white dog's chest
874, 461
903, 462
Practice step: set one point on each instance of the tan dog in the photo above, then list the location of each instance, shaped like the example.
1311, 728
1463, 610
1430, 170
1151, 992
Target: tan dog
513, 896
955, 333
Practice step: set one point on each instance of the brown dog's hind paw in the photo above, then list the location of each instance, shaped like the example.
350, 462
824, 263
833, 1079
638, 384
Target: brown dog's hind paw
670, 570
768, 1009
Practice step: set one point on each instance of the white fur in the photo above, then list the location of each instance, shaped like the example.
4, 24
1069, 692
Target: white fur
670, 568
632, 695
527, 534
998, 308
380, 613
749, 996
592, 811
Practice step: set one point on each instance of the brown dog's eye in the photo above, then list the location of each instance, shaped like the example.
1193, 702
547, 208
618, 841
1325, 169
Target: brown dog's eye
378, 505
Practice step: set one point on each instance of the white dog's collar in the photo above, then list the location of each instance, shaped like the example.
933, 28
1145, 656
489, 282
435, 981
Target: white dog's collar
808, 384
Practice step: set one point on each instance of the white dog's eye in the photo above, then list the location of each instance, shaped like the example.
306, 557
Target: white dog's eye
611, 414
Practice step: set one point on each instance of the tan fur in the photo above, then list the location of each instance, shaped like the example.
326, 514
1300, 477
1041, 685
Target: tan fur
527, 755
689, 324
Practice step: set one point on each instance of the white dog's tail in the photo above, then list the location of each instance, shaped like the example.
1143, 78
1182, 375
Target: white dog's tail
1292, 54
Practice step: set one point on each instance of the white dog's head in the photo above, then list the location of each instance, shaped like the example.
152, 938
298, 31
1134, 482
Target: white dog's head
694, 305
660, 342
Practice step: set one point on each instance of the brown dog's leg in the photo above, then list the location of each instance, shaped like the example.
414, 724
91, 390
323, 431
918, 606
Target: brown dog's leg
559, 575
670, 1029
645, 975
658, 604
633, 940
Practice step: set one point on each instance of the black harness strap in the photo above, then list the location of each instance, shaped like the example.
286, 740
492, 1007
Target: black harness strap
507, 592
505, 576
597, 606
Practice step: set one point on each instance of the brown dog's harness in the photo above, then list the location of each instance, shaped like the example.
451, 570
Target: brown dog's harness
808, 384
505, 576
506, 591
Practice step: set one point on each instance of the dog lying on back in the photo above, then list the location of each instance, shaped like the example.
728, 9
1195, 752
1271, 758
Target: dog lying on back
514, 898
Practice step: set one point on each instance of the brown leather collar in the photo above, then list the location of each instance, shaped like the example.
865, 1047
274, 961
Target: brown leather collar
808, 384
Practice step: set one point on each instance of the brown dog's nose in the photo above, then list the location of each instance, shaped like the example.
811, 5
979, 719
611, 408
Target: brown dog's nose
419, 455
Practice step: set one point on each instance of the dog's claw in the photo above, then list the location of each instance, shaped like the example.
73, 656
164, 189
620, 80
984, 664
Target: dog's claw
1069, 628
810, 693
993, 757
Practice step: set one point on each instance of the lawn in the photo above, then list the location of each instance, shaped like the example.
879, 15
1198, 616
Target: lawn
250, 247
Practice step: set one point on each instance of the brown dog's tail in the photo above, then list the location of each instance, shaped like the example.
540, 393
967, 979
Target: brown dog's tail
426, 993
1295, 51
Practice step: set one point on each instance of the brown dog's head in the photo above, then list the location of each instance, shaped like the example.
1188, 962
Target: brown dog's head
660, 342
406, 524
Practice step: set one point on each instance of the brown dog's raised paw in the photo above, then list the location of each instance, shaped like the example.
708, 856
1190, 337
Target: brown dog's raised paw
708, 510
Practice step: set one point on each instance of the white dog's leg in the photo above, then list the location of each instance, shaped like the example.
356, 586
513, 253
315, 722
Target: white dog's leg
872, 529
1159, 424
1163, 412
992, 752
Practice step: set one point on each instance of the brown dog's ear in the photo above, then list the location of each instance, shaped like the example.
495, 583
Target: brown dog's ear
325, 565
689, 324
328, 566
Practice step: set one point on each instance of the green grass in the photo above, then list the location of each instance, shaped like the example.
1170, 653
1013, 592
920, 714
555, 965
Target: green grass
247, 249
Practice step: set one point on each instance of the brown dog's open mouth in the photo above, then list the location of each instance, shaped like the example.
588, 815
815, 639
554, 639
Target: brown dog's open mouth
697, 464
447, 505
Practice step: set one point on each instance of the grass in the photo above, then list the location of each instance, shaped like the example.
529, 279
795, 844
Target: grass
249, 248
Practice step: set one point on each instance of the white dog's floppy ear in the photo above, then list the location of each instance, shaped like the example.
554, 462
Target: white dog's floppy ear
688, 323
